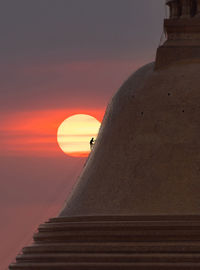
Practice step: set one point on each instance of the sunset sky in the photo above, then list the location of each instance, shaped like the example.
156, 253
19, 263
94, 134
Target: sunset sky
58, 58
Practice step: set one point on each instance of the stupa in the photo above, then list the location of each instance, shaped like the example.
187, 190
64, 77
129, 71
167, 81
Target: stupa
136, 204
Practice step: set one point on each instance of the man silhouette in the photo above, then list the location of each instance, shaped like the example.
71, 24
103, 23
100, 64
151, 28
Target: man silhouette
91, 143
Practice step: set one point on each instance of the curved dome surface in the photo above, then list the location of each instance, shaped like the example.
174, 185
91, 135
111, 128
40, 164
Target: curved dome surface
146, 160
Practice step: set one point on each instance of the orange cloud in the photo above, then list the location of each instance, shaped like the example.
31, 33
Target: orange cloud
35, 132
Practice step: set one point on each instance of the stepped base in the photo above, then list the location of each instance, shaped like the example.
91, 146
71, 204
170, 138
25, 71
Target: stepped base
80, 243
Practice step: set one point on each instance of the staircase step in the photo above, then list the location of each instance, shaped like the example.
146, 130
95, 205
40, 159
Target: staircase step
109, 258
156, 218
129, 247
121, 236
133, 225
105, 266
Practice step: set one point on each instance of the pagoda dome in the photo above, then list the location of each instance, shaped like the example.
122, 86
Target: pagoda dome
146, 158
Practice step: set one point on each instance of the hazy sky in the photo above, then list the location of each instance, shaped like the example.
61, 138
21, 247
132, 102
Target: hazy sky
65, 48
58, 58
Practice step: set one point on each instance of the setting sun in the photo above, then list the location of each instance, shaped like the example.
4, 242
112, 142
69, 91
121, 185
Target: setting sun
74, 134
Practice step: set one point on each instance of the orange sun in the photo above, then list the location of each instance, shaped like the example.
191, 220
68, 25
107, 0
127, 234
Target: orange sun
74, 134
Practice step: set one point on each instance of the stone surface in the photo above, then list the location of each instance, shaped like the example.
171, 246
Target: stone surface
146, 159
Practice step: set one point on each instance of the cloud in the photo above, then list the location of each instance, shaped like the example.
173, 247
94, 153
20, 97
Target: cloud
34, 133
74, 29
66, 85
72, 53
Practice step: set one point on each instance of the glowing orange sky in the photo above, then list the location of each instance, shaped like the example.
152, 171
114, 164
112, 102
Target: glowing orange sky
35, 132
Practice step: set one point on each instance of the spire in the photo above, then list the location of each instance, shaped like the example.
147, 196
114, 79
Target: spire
174, 8
182, 8
182, 30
